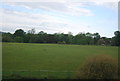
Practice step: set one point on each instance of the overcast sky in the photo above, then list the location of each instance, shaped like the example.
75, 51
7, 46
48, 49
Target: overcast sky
53, 16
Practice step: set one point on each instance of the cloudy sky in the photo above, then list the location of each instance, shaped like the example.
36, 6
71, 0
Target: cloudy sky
53, 16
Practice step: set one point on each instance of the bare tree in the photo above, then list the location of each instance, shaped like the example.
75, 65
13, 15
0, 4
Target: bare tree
32, 31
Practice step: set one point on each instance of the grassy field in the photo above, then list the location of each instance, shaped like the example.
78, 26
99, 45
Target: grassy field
47, 60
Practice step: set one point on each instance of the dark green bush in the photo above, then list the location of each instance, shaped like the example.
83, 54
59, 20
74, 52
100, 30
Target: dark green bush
99, 67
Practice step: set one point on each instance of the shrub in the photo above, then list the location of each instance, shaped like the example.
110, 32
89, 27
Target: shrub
61, 42
18, 39
99, 67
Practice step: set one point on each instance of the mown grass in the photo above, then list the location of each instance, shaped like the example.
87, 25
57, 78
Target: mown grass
38, 60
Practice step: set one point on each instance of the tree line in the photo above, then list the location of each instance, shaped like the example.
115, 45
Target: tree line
20, 36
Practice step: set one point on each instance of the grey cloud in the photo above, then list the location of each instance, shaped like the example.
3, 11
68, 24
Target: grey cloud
69, 7
61, 7
13, 20
12, 27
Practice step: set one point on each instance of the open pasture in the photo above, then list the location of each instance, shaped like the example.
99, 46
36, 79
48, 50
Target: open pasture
47, 60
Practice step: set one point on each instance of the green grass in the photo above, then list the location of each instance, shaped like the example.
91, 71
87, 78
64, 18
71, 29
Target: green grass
47, 60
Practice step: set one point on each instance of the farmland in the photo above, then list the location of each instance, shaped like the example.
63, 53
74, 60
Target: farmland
32, 60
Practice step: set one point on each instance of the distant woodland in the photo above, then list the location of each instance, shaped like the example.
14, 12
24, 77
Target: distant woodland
19, 36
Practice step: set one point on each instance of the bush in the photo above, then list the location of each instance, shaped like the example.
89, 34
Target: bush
18, 39
99, 67
61, 42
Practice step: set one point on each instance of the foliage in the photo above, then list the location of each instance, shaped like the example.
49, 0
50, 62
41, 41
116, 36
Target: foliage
63, 42
99, 67
18, 39
19, 33
7, 37
32, 31
80, 38
117, 38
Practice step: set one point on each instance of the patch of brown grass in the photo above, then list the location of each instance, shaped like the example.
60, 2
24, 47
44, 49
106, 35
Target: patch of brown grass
99, 67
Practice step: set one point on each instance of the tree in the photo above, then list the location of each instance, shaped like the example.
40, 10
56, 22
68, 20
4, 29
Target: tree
104, 41
70, 38
42, 37
116, 38
41, 32
18, 39
89, 38
7, 37
19, 33
50, 38
32, 31
96, 37
80, 38
31, 36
